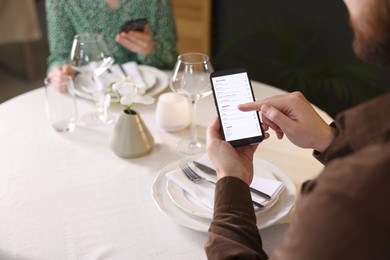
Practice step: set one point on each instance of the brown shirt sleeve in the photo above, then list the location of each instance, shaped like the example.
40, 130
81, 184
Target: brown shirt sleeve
233, 233
363, 125
343, 214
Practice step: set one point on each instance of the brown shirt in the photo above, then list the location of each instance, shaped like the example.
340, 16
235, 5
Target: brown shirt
342, 214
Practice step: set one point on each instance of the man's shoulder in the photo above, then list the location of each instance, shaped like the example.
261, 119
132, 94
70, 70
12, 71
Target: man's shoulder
359, 181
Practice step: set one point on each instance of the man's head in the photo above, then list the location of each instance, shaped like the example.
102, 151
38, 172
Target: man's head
370, 21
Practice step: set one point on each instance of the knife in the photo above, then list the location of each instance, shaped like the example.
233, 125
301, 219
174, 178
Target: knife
208, 170
122, 69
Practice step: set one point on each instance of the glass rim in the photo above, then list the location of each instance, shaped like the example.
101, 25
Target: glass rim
182, 56
88, 37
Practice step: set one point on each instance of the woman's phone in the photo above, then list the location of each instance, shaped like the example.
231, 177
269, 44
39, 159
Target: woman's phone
134, 25
230, 89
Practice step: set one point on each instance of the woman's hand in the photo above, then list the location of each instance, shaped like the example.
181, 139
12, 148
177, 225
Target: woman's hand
227, 160
291, 114
56, 76
136, 41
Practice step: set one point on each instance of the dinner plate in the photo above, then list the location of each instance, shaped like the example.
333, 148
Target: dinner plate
191, 205
149, 78
156, 81
160, 76
186, 202
200, 223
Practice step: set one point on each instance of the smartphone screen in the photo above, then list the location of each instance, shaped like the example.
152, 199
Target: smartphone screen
230, 89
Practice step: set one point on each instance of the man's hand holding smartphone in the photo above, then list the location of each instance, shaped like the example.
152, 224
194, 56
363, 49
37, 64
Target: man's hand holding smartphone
230, 89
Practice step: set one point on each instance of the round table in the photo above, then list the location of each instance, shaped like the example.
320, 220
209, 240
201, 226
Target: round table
68, 196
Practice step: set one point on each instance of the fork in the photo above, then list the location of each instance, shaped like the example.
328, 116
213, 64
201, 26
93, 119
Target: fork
196, 178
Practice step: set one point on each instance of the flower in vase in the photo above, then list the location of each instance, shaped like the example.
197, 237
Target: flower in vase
129, 93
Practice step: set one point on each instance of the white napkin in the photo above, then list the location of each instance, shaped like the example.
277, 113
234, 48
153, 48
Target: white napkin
204, 192
103, 80
132, 71
267, 184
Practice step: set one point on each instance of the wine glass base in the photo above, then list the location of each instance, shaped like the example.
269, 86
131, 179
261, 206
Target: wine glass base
92, 119
190, 147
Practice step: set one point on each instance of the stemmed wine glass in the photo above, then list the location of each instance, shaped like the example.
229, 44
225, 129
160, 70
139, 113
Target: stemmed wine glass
91, 57
191, 77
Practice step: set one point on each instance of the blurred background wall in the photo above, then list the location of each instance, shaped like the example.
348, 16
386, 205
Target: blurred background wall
22, 58
294, 45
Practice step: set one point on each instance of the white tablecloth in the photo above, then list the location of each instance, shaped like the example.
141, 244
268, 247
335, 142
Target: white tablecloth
68, 196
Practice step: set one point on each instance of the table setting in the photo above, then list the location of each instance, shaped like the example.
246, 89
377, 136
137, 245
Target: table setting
191, 204
155, 80
70, 193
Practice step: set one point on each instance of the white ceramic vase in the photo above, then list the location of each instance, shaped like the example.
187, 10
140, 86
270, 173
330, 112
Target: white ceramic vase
131, 138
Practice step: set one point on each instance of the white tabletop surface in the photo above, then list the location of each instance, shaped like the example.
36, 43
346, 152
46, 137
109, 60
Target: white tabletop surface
68, 196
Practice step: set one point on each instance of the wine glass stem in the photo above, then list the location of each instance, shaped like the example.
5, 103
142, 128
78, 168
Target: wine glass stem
194, 137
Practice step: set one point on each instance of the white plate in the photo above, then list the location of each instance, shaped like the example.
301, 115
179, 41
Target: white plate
189, 204
149, 77
265, 219
155, 79
160, 76
186, 202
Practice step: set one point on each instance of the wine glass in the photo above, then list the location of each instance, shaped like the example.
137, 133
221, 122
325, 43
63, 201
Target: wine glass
191, 77
91, 57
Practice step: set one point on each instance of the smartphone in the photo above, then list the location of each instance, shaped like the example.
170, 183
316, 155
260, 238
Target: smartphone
134, 25
230, 89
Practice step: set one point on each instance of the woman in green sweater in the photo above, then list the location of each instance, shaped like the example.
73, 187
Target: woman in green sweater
155, 46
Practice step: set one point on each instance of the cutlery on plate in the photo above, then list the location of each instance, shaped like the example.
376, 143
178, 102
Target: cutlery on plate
208, 170
122, 69
195, 178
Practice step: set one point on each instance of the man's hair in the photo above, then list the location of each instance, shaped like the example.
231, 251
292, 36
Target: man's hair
372, 32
